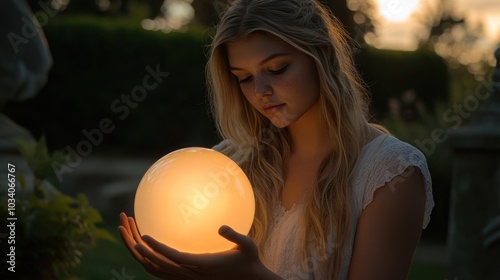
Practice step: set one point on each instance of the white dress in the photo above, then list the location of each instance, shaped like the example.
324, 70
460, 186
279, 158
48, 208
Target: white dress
380, 161
384, 158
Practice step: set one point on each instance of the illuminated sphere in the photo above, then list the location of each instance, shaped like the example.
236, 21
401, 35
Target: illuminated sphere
187, 195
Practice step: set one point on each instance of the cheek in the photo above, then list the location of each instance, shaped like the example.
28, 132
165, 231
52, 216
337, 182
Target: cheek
249, 98
303, 88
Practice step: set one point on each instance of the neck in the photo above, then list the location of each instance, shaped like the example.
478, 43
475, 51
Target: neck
309, 136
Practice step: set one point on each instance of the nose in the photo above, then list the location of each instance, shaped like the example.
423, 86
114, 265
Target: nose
262, 86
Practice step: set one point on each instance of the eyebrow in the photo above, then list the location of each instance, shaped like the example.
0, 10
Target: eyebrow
271, 57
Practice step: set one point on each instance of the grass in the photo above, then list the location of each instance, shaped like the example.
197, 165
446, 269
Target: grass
113, 261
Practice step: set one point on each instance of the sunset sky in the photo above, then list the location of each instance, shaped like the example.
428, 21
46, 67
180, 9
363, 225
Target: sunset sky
399, 23
398, 27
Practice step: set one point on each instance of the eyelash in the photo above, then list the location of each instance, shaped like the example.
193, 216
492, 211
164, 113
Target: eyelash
274, 72
279, 71
244, 80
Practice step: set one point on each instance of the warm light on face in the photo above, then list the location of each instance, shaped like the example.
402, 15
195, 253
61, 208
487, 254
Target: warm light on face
186, 196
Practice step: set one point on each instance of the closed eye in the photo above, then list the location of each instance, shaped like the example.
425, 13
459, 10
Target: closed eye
245, 80
274, 72
279, 71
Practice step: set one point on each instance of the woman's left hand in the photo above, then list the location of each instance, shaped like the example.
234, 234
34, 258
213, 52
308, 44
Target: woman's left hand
242, 262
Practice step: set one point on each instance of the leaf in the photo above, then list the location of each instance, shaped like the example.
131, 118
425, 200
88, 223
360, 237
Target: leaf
26, 149
104, 234
22, 180
60, 225
39, 160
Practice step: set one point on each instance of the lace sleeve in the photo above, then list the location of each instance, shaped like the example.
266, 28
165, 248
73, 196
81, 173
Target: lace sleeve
390, 159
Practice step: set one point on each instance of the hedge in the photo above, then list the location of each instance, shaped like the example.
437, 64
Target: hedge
95, 63
94, 66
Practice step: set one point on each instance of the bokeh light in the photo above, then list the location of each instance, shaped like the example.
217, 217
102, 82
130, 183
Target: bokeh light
397, 10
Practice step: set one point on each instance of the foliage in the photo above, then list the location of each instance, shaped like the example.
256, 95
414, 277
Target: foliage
96, 63
52, 228
390, 74
96, 7
457, 39
39, 160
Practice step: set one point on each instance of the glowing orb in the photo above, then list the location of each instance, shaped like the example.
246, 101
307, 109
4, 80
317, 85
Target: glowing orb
186, 196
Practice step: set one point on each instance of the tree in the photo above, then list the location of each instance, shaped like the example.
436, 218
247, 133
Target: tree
355, 21
444, 30
452, 37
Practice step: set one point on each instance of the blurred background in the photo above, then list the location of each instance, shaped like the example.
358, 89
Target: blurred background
127, 86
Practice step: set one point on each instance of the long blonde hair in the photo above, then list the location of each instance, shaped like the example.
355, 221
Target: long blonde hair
261, 149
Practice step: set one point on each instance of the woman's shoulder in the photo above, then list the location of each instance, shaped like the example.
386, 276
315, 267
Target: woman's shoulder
382, 160
386, 157
386, 150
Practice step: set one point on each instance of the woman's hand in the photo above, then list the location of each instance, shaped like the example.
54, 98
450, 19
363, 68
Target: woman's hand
242, 262
131, 238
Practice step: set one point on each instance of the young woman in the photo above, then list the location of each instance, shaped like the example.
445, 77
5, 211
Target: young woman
336, 196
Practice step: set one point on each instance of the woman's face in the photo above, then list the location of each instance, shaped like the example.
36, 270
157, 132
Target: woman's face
278, 80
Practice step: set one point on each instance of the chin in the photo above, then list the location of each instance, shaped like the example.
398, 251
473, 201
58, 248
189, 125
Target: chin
280, 122
280, 125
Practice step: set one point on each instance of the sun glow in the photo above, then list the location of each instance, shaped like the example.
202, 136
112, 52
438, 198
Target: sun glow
397, 10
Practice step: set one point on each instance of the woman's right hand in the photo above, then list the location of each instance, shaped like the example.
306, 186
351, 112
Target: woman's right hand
131, 237
242, 262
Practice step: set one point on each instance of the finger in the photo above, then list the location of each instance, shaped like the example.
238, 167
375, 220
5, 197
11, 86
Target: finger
135, 233
158, 271
174, 255
150, 267
133, 228
130, 226
168, 266
152, 255
244, 242
130, 243
155, 269
126, 234
124, 223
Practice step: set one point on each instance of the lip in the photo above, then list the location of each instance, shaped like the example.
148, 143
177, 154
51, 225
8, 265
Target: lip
272, 108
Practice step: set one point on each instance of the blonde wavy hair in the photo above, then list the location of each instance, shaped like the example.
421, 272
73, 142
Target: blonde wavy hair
262, 150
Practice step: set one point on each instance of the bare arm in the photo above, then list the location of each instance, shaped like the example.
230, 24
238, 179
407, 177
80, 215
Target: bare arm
389, 229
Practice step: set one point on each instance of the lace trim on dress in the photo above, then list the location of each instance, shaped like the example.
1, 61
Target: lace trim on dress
280, 211
386, 161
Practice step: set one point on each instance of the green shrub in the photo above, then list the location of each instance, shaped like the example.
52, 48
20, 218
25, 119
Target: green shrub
97, 60
50, 229
389, 74
95, 64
